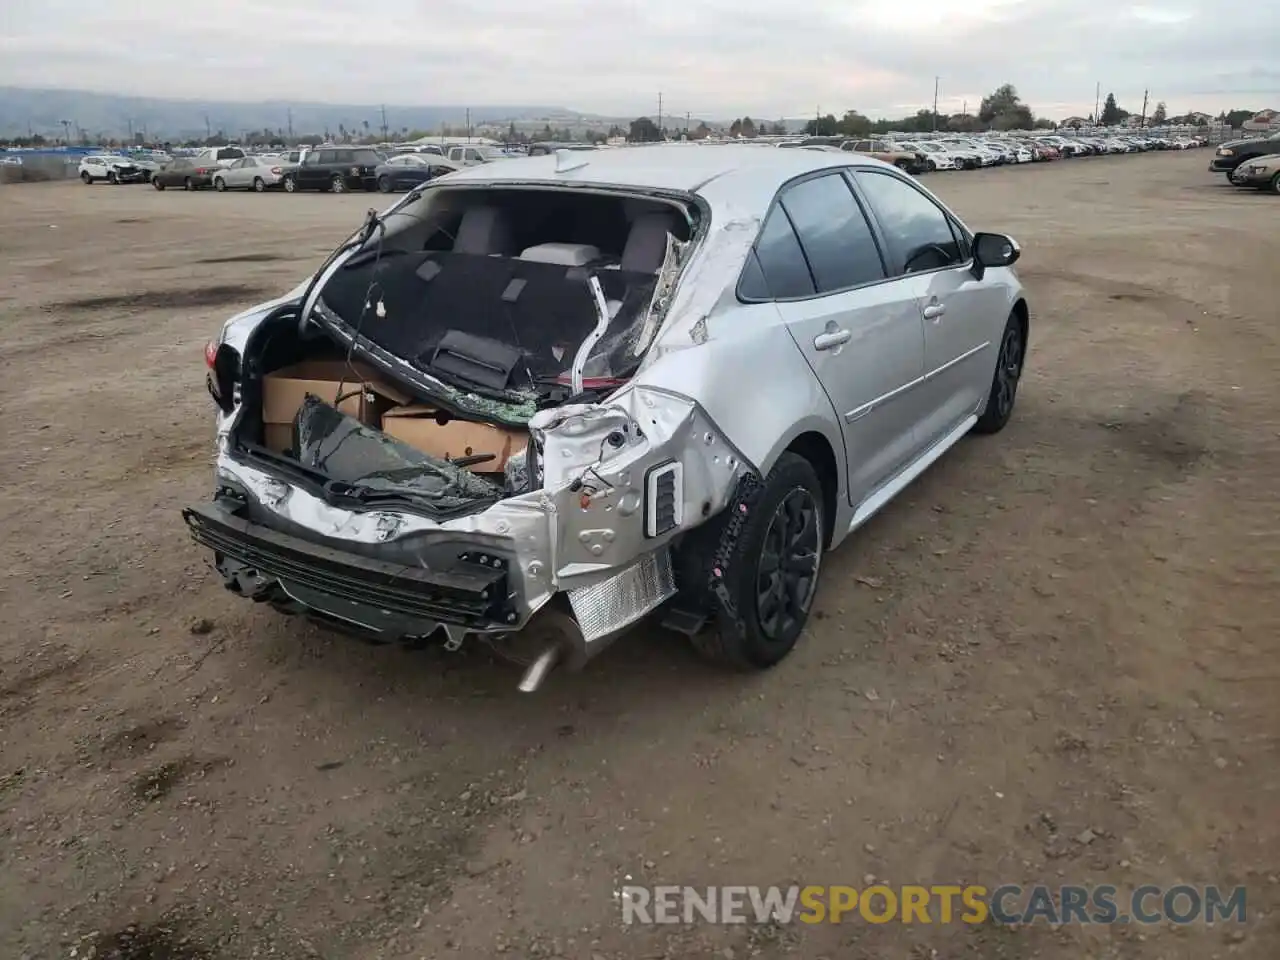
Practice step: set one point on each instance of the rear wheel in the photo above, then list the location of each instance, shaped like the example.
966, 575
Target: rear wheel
384, 184
1275, 184
290, 185
259, 185
771, 574
338, 184
903, 165
1004, 382
155, 182
219, 184
86, 178
111, 176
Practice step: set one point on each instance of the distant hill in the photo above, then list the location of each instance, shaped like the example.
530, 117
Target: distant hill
24, 111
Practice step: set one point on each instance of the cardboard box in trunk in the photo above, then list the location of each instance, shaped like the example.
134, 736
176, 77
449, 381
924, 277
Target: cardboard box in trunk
284, 390
433, 432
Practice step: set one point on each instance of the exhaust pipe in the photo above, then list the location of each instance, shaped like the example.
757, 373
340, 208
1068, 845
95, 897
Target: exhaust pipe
537, 671
562, 637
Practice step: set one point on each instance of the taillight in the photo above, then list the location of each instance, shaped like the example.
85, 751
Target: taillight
276, 171
224, 370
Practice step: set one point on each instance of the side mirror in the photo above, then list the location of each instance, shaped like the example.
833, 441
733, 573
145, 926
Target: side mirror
993, 250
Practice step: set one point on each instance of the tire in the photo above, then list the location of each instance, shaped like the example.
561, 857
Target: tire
111, 176
1274, 186
187, 184
784, 526
384, 184
155, 182
338, 184
1005, 379
903, 165
290, 185
219, 184
259, 185
85, 178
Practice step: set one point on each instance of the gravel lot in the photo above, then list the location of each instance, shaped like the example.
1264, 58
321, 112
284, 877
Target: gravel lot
1067, 627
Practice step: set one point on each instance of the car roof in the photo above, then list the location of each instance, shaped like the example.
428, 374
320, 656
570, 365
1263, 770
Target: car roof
744, 177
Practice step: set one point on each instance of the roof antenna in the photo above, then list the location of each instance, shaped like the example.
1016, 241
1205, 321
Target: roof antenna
567, 160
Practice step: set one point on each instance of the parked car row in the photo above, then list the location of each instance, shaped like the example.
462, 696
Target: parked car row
924, 153
335, 170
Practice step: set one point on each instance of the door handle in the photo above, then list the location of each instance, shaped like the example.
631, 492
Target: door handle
829, 341
934, 310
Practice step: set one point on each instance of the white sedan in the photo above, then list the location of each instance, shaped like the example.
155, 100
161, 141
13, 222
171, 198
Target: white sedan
250, 173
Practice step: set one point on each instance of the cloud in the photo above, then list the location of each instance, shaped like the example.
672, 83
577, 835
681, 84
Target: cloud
709, 57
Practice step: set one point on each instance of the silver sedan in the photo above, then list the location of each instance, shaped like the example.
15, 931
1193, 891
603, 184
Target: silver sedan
251, 173
659, 379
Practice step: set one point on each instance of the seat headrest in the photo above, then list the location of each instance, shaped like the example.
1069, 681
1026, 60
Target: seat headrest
567, 254
647, 242
484, 230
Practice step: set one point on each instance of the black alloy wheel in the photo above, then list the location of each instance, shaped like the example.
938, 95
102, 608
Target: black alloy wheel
1004, 383
787, 573
767, 581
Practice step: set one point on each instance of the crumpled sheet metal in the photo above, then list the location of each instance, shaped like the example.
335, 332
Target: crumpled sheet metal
346, 450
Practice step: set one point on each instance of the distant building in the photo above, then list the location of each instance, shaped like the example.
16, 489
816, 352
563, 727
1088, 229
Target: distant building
1262, 120
1075, 122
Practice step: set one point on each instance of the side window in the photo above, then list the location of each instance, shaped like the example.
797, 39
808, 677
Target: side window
776, 268
879, 146
917, 229
473, 154
833, 233
248, 162
862, 146
327, 156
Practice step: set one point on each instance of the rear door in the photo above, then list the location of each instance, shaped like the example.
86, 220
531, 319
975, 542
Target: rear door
962, 317
233, 174
818, 259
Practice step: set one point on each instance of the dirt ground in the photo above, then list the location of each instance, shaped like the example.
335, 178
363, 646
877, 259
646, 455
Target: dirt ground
1070, 626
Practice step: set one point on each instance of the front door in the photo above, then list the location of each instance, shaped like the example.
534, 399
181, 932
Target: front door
819, 261
962, 317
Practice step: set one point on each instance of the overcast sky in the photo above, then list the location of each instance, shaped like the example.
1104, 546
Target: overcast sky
716, 58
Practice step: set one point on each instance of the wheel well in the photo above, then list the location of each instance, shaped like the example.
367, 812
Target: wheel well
815, 448
1024, 321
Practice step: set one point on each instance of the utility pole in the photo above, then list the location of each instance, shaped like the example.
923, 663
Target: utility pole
289, 114
964, 111
208, 128
129, 122
687, 115
935, 103
1097, 104
384, 123
66, 131
1142, 122
660, 136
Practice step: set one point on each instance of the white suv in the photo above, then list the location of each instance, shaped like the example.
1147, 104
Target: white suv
112, 169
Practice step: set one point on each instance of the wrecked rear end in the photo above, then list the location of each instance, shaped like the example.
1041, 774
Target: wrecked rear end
441, 435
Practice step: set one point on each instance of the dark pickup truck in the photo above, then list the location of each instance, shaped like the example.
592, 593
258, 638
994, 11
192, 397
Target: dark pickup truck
1230, 155
335, 168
